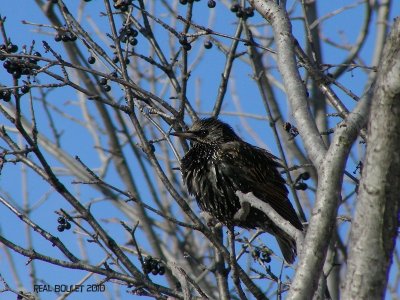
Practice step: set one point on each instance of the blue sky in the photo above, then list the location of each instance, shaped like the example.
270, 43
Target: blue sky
343, 27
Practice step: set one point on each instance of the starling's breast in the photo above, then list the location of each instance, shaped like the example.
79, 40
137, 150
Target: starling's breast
213, 191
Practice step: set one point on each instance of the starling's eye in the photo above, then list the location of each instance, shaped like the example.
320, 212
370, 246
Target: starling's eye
202, 133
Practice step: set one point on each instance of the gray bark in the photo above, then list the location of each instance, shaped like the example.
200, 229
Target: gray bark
375, 225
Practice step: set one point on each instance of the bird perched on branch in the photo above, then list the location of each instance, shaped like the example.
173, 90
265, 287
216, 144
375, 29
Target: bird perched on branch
219, 164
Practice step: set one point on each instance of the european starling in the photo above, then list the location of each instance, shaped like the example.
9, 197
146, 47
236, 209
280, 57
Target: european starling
220, 163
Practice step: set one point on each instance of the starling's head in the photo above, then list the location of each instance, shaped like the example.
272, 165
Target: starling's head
209, 131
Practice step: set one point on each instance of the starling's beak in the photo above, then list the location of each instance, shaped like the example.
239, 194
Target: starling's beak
189, 135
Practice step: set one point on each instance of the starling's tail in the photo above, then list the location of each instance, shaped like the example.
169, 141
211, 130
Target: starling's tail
286, 244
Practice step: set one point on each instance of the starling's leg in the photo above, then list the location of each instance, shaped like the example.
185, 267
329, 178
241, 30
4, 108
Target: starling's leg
242, 213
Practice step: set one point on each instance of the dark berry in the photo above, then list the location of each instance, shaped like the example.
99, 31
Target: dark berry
67, 225
65, 37
208, 44
115, 59
7, 64
16, 74
301, 186
211, 3
73, 37
61, 220
235, 7
184, 2
249, 11
103, 81
133, 41
57, 37
127, 61
187, 46
5, 95
305, 176
114, 74
61, 228
12, 48
154, 271
240, 13
25, 89
107, 88
161, 270
91, 60
134, 33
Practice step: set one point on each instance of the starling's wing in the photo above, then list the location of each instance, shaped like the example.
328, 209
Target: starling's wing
252, 169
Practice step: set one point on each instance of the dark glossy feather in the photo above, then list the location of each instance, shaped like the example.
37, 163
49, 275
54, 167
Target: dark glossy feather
220, 163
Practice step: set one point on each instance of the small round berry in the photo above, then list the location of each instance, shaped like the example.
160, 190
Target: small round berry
235, 7
115, 59
25, 89
91, 60
10, 47
114, 74
249, 11
73, 37
5, 95
154, 271
61, 228
103, 81
16, 74
107, 88
305, 175
208, 44
65, 37
187, 46
61, 220
67, 225
161, 270
133, 41
57, 37
7, 64
301, 186
240, 13
211, 3
184, 2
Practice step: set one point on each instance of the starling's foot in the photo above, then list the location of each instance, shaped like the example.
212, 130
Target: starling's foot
242, 213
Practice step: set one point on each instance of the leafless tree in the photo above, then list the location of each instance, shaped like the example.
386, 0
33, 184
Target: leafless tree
90, 182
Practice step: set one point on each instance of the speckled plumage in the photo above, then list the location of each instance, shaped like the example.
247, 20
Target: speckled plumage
221, 163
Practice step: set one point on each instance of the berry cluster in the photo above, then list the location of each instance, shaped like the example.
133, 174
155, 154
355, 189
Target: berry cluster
63, 224
153, 266
299, 184
5, 95
20, 66
262, 253
9, 47
123, 5
128, 34
65, 36
103, 81
185, 44
242, 12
